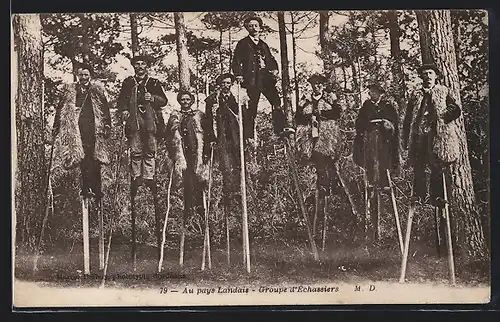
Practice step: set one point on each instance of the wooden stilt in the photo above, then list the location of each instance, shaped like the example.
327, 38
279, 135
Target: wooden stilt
396, 213
316, 209
325, 223
367, 209
451, 264
346, 190
377, 215
206, 239
226, 224
246, 246
164, 232
295, 178
134, 245
438, 230
101, 234
407, 243
154, 191
183, 237
86, 242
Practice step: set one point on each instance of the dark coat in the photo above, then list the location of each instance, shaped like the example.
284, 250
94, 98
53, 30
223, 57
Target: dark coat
327, 111
68, 140
246, 63
226, 127
445, 147
131, 97
375, 144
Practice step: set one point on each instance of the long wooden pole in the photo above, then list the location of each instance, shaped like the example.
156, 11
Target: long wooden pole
115, 202
206, 204
407, 243
451, 264
100, 217
295, 179
164, 232
396, 214
246, 246
86, 242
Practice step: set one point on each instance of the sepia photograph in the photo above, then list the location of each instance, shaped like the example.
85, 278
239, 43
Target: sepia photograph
209, 159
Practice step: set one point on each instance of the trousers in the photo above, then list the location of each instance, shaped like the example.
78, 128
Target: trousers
142, 153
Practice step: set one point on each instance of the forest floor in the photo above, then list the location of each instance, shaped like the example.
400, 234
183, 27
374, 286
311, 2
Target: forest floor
274, 265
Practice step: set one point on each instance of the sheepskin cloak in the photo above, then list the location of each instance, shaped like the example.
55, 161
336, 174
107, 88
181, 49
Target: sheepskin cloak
69, 140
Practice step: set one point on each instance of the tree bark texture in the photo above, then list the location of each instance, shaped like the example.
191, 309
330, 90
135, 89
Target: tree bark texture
133, 34
30, 170
324, 41
436, 42
287, 97
182, 53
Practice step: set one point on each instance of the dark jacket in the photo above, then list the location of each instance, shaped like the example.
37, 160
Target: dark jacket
246, 62
131, 98
386, 147
226, 131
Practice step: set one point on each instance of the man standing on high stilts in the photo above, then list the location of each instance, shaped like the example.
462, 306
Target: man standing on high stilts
221, 112
376, 148
257, 70
318, 138
83, 124
430, 134
140, 101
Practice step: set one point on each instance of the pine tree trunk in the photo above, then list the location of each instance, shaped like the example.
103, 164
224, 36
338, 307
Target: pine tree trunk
221, 60
324, 41
398, 87
294, 61
85, 49
287, 99
436, 42
182, 53
133, 34
30, 168
397, 67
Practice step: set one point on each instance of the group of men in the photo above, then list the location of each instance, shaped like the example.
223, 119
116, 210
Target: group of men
83, 118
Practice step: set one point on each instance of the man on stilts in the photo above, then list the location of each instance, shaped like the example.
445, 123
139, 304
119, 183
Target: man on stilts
430, 134
256, 69
376, 149
318, 139
190, 146
140, 101
221, 112
83, 124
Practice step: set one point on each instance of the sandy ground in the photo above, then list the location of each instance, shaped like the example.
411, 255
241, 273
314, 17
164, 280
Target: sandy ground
39, 294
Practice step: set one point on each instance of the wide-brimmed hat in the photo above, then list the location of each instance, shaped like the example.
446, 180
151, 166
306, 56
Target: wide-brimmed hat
256, 18
317, 78
184, 92
376, 86
84, 66
428, 66
224, 76
143, 57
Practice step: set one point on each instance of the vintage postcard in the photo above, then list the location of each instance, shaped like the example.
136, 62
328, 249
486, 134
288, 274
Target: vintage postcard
250, 158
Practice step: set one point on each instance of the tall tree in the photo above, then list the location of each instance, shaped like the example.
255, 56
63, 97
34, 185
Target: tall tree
134, 34
399, 86
31, 165
82, 37
182, 53
436, 42
287, 95
324, 41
